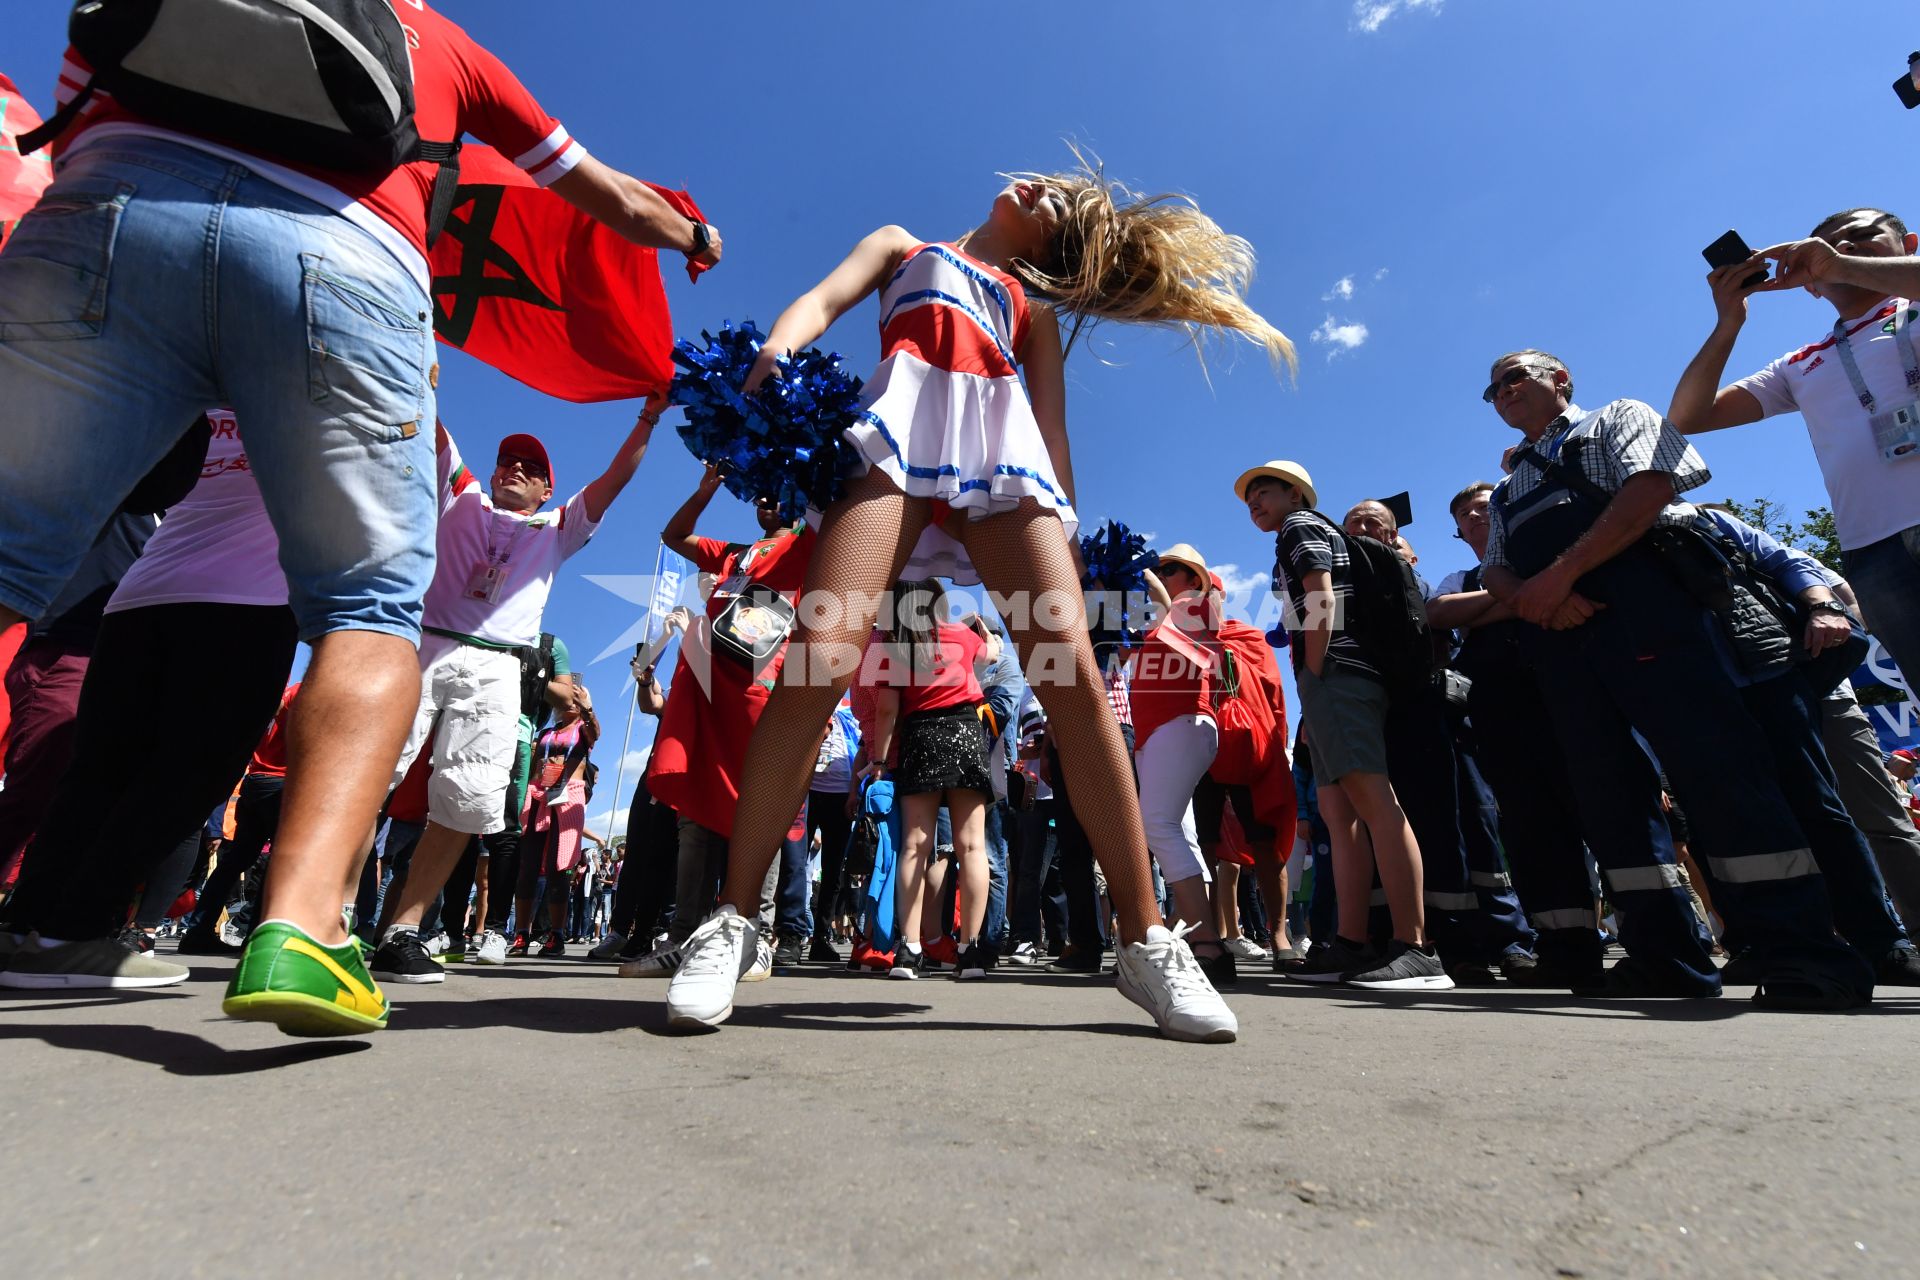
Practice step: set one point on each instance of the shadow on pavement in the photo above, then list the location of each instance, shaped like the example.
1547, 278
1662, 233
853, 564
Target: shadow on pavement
178, 1052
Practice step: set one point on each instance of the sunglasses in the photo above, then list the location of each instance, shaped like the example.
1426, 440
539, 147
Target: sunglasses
529, 466
1511, 378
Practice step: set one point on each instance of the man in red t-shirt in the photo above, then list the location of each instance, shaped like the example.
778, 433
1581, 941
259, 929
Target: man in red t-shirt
311, 318
714, 702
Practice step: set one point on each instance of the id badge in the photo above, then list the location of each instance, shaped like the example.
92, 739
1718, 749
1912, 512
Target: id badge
1896, 433
736, 583
485, 583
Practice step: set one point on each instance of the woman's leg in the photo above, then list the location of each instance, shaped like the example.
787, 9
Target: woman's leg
968, 810
864, 542
1226, 898
1024, 551
910, 882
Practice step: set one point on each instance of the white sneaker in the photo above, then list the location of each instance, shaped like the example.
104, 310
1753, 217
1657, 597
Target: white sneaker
661, 962
1245, 949
762, 967
722, 949
1024, 953
437, 945
609, 948
1162, 977
492, 949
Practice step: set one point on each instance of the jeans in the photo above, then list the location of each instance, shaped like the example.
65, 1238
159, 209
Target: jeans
1874, 801
1886, 577
153, 280
1032, 848
794, 894
702, 866
993, 930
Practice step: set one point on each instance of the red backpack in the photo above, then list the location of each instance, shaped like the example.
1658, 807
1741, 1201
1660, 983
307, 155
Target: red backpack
1251, 710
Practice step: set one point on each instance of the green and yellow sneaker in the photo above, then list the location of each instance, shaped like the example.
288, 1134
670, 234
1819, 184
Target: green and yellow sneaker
302, 986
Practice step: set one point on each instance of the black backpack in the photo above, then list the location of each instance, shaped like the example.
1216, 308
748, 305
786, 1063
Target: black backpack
1388, 614
321, 82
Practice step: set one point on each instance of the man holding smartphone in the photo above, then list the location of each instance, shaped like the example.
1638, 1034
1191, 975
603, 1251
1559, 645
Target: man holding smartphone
1857, 389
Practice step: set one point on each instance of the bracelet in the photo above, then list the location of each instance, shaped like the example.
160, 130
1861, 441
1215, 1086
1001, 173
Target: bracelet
651, 419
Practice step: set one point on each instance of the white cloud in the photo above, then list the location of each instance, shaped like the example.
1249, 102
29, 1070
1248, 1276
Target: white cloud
1243, 586
1339, 337
1379, 275
1370, 15
1342, 290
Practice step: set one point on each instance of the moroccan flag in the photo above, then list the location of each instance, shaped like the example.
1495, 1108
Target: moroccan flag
543, 293
22, 178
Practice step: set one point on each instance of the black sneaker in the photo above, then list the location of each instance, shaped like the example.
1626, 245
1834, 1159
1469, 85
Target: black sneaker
1220, 969
553, 944
1407, 968
404, 958
1900, 967
205, 942
519, 946
974, 962
1335, 960
1472, 973
1076, 961
786, 951
822, 951
1519, 968
908, 962
137, 940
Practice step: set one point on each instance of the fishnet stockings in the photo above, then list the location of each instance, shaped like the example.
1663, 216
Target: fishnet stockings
863, 544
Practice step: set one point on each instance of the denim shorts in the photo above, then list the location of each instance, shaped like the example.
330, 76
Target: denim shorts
154, 281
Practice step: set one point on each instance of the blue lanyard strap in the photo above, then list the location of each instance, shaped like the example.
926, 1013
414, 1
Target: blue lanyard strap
1909, 360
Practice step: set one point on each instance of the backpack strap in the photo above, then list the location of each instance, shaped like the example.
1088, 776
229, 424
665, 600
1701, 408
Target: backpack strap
1571, 477
446, 184
34, 139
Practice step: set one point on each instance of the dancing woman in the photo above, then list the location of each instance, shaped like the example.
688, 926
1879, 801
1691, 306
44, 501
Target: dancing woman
958, 449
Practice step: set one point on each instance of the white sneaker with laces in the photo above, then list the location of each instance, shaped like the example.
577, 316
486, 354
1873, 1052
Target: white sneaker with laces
1246, 949
717, 954
437, 945
1162, 977
492, 949
762, 967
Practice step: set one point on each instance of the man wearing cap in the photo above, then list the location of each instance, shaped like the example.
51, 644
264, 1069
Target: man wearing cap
1344, 698
498, 554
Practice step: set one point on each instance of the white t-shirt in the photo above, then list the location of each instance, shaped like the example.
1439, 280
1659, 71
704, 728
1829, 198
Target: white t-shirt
216, 545
529, 550
1872, 498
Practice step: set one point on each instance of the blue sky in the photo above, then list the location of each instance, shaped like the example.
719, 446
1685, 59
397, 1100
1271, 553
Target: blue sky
1486, 175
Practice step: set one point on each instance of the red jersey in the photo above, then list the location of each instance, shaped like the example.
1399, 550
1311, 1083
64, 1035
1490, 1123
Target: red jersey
1171, 675
714, 701
949, 681
270, 757
458, 88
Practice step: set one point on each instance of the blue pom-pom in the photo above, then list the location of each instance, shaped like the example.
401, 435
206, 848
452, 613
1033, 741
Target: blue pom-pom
786, 440
1117, 558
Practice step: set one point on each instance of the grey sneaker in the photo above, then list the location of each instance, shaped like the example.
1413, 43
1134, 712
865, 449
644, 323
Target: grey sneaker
661, 962
94, 962
1407, 968
492, 948
609, 948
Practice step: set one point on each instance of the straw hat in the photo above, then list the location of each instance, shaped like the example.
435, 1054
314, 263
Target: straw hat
1292, 472
1182, 553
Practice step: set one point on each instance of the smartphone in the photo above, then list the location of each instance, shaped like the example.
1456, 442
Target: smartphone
1905, 87
1730, 249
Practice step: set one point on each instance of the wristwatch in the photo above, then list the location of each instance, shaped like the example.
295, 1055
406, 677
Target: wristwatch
702, 238
1831, 606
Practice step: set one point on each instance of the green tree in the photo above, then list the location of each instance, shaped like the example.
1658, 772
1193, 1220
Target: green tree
1814, 535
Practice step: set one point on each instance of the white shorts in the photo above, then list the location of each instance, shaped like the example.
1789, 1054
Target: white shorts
473, 696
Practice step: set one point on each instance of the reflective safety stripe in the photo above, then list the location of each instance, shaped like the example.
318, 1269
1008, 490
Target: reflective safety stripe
1663, 875
1491, 879
1753, 868
1379, 898
1452, 901
1568, 918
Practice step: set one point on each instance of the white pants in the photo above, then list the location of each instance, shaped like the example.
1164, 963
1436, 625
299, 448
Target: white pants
1170, 763
473, 694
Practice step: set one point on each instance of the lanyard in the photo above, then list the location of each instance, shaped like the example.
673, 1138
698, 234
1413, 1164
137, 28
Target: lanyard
514, 541
1909, 361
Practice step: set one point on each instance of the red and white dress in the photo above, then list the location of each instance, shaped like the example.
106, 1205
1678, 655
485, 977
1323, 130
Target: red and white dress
947, 416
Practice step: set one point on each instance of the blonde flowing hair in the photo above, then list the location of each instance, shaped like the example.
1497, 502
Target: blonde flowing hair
1121, 255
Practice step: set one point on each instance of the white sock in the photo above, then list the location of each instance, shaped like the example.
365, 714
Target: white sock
394, 930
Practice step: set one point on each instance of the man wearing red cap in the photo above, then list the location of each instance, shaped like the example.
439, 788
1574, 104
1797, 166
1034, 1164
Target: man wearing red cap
498, 555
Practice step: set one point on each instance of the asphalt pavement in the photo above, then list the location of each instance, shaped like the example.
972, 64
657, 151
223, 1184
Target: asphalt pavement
538, 1119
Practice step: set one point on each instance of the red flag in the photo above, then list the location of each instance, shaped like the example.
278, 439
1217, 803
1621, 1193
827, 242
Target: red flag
22, 178
543, 293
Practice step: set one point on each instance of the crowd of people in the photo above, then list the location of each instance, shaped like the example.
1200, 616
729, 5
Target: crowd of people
1487, 781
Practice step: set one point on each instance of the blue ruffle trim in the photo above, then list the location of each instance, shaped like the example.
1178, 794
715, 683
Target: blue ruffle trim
786, 441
